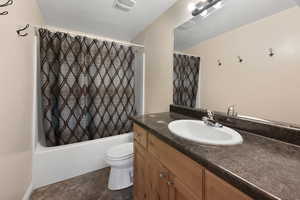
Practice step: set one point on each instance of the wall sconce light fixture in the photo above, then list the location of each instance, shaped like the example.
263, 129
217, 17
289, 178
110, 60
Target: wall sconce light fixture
205, 7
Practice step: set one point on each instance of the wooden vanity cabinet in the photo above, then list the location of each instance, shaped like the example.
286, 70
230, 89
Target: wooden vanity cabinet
179, 191
163, 185
140, 173
158, 175
140, 136
216, 189
183, 169
163, 173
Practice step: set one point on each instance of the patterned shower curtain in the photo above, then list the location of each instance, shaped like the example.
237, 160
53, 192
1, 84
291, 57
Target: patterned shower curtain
87, 88
185, 80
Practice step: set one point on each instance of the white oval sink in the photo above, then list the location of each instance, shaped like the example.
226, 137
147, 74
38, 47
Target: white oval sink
198, 131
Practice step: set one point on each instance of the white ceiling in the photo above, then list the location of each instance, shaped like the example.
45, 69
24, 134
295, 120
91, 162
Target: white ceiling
234, 14
100, 18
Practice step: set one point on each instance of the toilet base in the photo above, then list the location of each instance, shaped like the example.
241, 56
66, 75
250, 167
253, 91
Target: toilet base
120, 178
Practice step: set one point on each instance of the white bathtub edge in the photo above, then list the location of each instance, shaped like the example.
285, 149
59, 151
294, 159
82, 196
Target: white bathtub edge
55, 164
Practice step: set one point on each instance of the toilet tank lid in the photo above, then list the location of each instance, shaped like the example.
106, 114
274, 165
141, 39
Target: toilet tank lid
120, 151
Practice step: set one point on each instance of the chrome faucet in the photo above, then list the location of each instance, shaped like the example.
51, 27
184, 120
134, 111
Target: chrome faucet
210, 115
210, 121
231, 111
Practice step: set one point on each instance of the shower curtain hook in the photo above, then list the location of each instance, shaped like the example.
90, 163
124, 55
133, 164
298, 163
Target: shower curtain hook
8, 3
23, 29
4, 13
271, 52
240, 59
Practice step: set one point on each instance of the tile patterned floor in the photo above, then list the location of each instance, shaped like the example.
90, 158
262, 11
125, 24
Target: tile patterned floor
91, 186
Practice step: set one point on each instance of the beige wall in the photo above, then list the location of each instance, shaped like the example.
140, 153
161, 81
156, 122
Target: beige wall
158, 40
261, 86
16, 86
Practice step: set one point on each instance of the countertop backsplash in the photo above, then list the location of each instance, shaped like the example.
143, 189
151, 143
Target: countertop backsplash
277, 130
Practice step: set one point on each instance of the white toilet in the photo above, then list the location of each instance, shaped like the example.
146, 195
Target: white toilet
120, 159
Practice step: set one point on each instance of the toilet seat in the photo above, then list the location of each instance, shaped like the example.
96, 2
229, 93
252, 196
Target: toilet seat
120, 152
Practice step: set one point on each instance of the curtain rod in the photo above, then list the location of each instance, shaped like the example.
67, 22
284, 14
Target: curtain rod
78, 33
186, 54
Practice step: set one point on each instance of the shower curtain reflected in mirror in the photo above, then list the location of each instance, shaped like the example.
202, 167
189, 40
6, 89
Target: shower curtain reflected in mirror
87, 87
185, 80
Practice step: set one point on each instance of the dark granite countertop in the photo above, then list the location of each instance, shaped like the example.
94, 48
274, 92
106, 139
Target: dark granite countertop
261, 167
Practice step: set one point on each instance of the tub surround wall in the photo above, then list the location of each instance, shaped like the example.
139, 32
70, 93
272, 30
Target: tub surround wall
16, 85
261, 86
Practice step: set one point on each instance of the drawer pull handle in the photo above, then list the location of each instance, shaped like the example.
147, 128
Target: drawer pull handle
162, 175
170, 183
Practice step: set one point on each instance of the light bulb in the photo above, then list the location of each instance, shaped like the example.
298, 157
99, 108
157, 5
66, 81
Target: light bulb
218, 5
204, 13
192, 6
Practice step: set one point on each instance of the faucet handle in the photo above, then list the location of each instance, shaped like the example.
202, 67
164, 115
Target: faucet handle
210, 114
231, 111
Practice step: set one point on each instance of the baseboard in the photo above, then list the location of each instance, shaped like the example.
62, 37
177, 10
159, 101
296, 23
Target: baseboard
27, 193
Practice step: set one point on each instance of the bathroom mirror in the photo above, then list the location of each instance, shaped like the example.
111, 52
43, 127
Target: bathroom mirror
249, 54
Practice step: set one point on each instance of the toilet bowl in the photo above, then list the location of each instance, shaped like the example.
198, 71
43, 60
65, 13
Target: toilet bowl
120, 159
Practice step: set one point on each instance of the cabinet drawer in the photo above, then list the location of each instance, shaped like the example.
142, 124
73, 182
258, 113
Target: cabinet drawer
216, 189
187, 171
140, 135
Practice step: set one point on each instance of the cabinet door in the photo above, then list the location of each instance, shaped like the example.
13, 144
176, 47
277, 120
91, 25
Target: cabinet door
140, 173
186, 170
217, 189
179, 191
158, 177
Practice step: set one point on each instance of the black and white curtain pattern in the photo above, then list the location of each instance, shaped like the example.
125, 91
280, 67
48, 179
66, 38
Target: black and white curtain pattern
87, 88
185, 80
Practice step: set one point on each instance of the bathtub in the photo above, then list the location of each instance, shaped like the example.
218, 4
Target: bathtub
54, 164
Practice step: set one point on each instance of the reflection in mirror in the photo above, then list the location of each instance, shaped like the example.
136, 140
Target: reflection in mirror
248, 55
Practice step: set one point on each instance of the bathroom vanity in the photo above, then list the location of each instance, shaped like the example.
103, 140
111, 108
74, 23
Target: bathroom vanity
163, 173
171, 168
